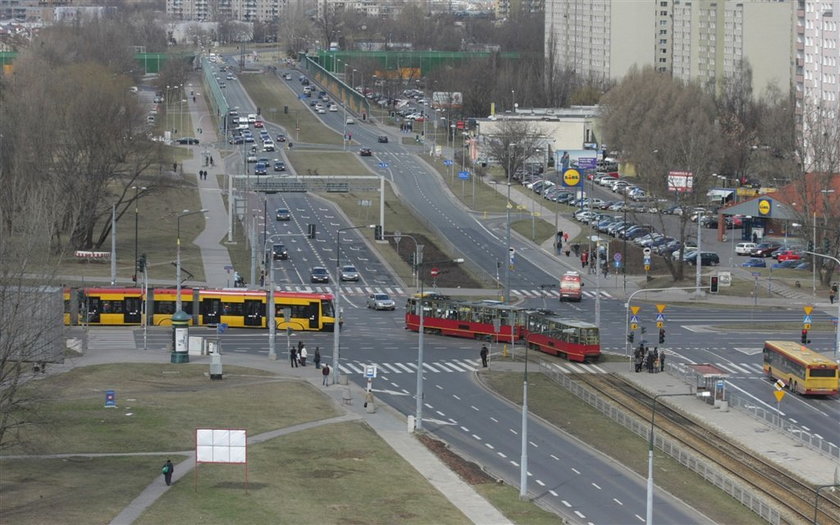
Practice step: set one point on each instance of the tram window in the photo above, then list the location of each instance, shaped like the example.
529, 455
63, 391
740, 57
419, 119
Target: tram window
232, 308
164, 307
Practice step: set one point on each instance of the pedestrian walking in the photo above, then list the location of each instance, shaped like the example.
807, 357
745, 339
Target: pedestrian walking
584, 259
326, 373
568, 251
262, 278
303, 354
211, 160
662, 360
167, 470
832, 293
637, 361
565, 237
483, 354
317, 357
293, 357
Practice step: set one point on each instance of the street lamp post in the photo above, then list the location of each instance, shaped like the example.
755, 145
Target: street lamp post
508, 206
649, 516
337, 329
270, 309
185, 213
817, 498
837, 335
523, 459
137, 191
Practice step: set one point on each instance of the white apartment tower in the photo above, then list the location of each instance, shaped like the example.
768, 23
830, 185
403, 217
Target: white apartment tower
817, 68
695, 40
214, 10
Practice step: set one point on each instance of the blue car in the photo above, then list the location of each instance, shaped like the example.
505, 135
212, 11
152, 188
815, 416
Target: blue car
754, 263
786, 264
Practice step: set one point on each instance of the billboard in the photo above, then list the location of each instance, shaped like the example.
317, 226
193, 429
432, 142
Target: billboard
447, 99
680, 181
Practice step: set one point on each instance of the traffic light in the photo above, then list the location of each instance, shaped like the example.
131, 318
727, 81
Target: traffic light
310, 231
713, 284
805, 339
661, 335
644, 330
377, 233
631, 336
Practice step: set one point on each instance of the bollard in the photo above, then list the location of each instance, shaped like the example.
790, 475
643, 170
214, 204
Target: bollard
410, 424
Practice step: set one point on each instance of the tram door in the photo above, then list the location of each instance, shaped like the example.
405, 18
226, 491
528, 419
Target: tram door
254, 312
94, 306
210, 309
133, 309
314, 314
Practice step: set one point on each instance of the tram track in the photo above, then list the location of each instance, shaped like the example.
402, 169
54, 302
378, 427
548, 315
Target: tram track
793, 497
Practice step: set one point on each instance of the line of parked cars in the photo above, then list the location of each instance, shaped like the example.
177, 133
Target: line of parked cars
787, 256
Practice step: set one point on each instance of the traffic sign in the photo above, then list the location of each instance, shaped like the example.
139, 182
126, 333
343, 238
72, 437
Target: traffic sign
806, 326
633, 326
806, 319
617, 257
635, 309
448, 162
779, 384
383, 165
661, 307
647, 267
634, 319
464, 175
587, 163
647, 261
779, 395
646, 251
659, 324
370, 371
808, 309
435, 272
660, 317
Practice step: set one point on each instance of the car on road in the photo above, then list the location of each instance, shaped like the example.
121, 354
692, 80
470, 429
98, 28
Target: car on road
252, 157
279, 165
754, 263
349, 273
349, 121
319, 274
279, 253
187, 140
260, 168
283, 214
383, 139
380, 301
365, 152
744, 248
268, 146
281, 137
333, 107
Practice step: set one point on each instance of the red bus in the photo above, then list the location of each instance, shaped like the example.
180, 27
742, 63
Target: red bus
571, 287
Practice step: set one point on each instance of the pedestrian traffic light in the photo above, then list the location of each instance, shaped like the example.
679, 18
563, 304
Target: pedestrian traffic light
644, 330
377, 233
661, 335
631, 336
805, 336
310, 231
714, 284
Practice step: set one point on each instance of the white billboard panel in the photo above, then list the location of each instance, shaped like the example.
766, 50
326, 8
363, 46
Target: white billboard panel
214, 445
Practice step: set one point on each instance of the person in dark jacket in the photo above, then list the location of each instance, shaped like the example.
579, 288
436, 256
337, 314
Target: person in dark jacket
293, 357
483, 354
168, 469
317, 357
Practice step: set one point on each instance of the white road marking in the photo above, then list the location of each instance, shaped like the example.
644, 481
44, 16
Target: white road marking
493, 419
456, 397
596, 486
576, 471
617, 501
465, 429
488, 445
566, 503
540, 483
476, 437
501, 455
555, 458
552, 493
474, 408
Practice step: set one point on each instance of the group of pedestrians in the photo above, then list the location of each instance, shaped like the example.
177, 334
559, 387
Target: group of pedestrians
202, 174
652, 361
298, 355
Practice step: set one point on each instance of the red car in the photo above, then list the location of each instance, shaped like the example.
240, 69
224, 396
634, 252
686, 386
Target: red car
258, 123
789, 255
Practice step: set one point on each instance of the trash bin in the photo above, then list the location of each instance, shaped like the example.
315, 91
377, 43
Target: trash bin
410, 423
216, 366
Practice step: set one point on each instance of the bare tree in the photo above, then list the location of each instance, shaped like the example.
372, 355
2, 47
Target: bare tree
660, 124
513, 145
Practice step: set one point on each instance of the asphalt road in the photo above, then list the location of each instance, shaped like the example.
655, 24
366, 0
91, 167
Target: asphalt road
461, 412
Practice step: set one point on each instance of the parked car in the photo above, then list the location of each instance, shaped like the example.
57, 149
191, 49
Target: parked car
764, 249
788, 255
781, 265
380, 301
187, 140
744, 248
754, 263
706, 259
319, 274
349, 273
283, 214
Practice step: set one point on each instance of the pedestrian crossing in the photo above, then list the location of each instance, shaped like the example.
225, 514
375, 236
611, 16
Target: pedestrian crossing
456, 366
106, 338
395, 291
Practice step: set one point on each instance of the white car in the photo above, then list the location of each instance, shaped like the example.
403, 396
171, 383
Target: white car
744, 248
333, 107
349, 121
380, 301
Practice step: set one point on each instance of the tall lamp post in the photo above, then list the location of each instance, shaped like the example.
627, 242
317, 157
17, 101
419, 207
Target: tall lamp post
137, 191
837, 335
649, 514
185, 213
817, 498
523, 459
337, 329
508, 206
270, 313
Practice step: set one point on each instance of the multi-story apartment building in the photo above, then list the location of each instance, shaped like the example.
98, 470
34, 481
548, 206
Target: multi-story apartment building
817, 66
215, 10
695, 40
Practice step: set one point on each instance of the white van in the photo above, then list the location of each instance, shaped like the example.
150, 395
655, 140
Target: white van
252, 117
744, 248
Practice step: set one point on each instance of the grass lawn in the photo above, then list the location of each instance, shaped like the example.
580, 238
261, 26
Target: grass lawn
590, 426
307, 162
157, 239
271, 95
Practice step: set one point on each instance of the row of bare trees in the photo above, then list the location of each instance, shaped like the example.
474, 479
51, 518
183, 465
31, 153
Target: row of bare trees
73, 141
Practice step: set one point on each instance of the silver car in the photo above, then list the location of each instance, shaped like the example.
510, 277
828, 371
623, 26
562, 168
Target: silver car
349, 273
380, 301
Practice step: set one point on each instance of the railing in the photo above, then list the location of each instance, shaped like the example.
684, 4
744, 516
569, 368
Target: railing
673, 448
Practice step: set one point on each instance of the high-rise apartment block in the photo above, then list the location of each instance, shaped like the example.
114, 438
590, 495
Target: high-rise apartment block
215, 10
817, 66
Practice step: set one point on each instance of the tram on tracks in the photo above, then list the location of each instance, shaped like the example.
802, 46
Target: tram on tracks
541, 330
206, 307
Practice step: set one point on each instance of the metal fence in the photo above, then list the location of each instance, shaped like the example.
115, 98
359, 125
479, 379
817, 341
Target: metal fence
769, 417
674, 449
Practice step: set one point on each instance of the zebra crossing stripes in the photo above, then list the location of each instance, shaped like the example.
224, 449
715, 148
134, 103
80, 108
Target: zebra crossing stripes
394, 291
554, 294
435, 367
111, 338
